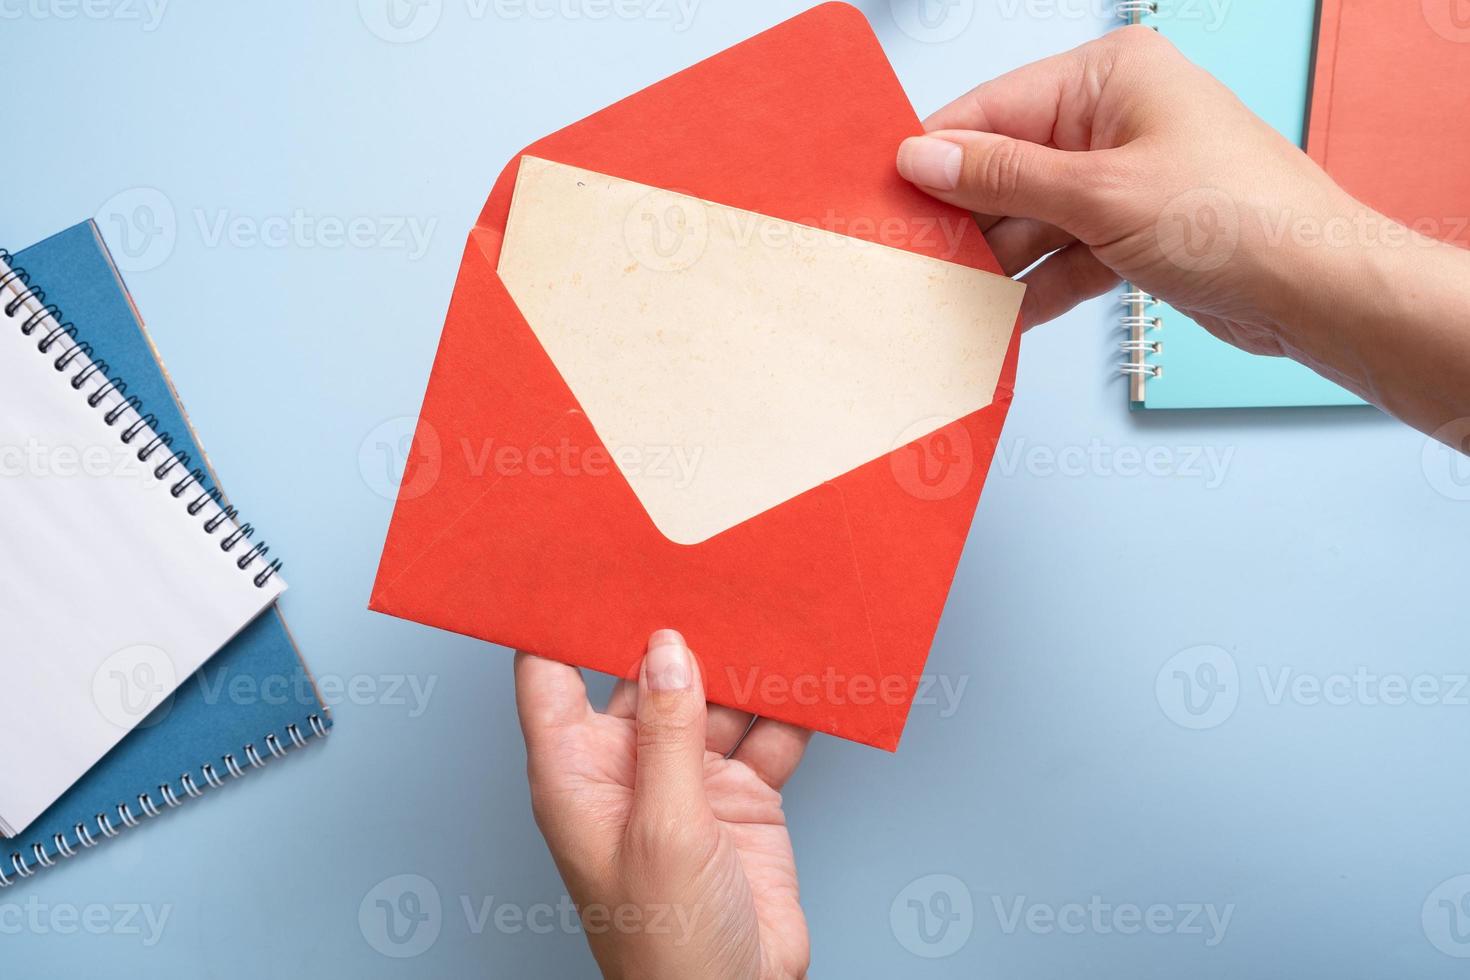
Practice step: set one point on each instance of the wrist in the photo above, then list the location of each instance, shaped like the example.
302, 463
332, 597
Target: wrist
1331, 286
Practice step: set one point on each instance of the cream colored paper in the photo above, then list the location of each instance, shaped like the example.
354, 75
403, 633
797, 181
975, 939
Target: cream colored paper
731, 361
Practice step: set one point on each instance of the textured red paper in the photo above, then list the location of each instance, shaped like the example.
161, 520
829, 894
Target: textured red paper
1390, 117
819, 611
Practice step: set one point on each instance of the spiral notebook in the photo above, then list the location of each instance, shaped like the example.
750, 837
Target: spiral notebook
252, 702
1263, 52
122, 571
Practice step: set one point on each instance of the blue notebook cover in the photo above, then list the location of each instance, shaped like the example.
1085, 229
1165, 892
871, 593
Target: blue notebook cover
1263, 52
207, 733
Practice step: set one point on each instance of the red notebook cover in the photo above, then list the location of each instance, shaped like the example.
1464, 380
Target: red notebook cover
1390, 116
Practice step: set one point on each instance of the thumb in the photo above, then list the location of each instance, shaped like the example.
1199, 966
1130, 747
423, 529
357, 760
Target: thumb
669, 783
991, 174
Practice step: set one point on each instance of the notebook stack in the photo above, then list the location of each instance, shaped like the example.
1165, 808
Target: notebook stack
134, 597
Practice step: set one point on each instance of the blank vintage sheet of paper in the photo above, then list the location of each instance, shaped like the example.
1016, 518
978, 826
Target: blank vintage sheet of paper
762, 357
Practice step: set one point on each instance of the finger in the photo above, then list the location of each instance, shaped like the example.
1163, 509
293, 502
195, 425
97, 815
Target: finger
727, 726
1019, 242
991, 174
549, 696
1051, 102
623, 701
986, 221
773, 750
1061, 282
671, 733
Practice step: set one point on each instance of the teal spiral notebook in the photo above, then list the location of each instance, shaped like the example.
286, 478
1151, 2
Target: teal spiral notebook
229, 717
1263, 50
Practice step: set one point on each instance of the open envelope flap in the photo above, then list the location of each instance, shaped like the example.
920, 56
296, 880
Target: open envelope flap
800, 123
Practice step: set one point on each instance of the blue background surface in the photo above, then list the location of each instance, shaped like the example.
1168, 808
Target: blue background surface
1318, 543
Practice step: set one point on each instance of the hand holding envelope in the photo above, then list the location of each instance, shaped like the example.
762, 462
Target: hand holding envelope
711, 363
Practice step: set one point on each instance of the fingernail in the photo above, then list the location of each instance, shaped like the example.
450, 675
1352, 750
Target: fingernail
667, 664
931, 162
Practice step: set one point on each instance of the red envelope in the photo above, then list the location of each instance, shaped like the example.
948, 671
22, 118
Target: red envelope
819, 611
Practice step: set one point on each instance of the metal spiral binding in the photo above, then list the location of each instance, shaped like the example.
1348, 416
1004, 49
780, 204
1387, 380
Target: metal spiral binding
1139, 322
145, 805
1136, 303
16, 277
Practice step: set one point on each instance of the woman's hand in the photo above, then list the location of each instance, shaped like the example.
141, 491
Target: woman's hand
674, 849
1134, 163
1127, 161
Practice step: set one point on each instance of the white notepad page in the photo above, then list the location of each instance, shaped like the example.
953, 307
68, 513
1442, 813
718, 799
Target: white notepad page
111, 593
